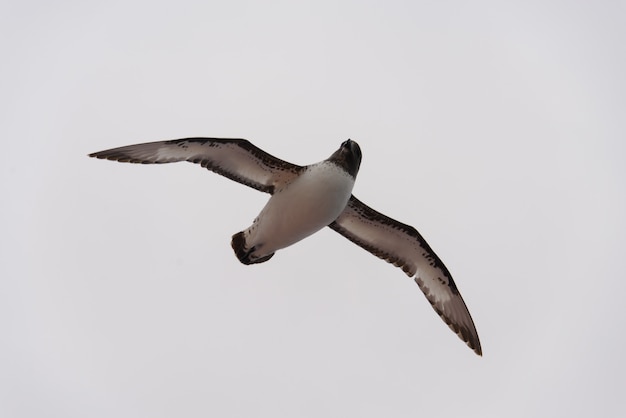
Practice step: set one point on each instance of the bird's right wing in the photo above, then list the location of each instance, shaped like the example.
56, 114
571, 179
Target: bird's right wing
236, 159
404, 247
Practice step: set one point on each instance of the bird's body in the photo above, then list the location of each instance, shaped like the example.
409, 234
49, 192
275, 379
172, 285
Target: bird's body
302, 207
305, 199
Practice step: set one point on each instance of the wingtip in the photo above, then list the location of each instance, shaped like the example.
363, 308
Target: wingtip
477, 349
466, 332
101, 155
470, 340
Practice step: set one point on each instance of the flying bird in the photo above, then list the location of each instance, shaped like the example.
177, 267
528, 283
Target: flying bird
305, 199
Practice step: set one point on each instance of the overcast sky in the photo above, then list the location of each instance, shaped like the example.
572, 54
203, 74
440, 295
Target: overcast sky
497, 129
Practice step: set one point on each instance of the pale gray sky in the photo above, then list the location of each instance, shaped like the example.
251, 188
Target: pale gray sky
495, 128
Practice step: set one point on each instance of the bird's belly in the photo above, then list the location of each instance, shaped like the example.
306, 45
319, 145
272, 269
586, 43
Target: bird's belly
311, 202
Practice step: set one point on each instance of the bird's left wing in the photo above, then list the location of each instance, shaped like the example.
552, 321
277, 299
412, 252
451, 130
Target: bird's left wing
236, 159
404, 247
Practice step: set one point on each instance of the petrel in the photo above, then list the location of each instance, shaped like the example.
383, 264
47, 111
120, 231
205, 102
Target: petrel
305, 199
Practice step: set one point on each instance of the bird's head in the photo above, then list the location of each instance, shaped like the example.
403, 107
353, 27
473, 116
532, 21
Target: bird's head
348, 156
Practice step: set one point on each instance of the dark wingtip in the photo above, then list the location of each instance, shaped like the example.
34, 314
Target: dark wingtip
475, 345
101, 155
469, 335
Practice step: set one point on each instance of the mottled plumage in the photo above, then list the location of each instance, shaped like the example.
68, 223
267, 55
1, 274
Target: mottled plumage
305, 199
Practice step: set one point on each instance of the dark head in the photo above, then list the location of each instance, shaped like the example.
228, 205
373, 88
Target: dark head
348, 156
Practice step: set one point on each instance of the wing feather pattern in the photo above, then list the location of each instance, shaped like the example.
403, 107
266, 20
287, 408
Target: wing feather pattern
404, 247
236, 159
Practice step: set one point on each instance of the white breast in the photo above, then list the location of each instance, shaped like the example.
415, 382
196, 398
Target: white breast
306, 205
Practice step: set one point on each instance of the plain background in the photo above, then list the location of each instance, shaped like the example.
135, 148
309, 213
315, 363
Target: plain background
495, 128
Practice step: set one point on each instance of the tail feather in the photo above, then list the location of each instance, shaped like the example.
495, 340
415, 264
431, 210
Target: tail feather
243, 253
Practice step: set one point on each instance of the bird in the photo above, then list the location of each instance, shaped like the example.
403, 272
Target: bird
305, 199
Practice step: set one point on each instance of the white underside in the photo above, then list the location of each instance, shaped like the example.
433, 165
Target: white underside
312, 201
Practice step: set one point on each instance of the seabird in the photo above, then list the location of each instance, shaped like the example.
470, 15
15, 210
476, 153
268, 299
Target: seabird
304, 199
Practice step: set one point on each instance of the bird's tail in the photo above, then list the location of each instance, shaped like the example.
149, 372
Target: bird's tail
245, 255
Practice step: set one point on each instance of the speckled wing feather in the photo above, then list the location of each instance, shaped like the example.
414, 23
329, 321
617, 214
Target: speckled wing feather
236, 159
404, 247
